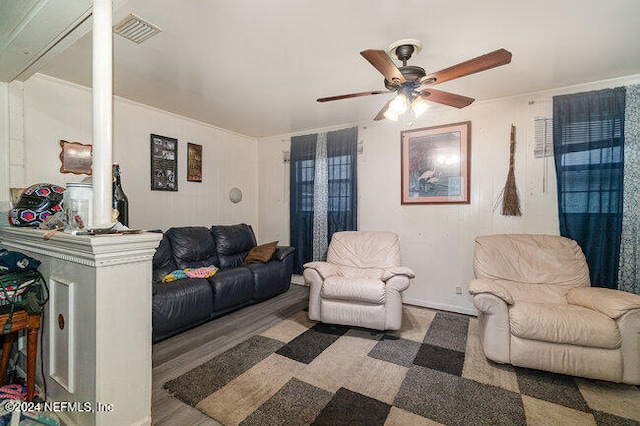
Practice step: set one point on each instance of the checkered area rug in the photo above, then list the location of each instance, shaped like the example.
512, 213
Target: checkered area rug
431, 372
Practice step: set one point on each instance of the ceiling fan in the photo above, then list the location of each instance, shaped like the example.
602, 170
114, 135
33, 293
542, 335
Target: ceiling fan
413, 84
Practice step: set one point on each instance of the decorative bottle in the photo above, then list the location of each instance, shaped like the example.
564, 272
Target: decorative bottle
120, 201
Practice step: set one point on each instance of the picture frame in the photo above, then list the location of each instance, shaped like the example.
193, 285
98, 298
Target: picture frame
194, 162
76, 158
435, 164
164, 163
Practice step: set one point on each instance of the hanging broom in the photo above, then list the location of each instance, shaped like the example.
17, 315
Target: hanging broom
509, 194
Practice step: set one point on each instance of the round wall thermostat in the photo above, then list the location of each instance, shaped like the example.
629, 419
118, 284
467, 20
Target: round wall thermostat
235, 195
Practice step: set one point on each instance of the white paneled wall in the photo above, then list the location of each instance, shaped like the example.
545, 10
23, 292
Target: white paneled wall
55, 110
437, 241
12, 151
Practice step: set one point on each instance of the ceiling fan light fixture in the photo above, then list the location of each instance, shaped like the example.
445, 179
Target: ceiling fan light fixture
390, 115
419, 106
399, 105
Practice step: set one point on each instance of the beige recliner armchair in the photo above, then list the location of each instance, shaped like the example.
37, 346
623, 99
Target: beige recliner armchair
538, 310
361, 283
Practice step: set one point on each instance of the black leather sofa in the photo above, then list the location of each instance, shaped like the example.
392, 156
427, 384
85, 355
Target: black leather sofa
185, 303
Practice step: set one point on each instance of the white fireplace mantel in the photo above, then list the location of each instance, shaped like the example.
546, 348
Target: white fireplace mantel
97, 335
95, 251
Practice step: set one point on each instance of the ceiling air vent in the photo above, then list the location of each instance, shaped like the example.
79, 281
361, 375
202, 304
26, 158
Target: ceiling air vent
135, 29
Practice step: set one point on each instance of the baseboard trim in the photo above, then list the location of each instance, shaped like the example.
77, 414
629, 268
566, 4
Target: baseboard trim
297, 279
441, 306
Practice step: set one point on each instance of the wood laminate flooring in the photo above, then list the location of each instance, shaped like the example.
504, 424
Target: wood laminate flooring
179, 354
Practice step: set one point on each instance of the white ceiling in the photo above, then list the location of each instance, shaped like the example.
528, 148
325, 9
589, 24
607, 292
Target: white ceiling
257, 66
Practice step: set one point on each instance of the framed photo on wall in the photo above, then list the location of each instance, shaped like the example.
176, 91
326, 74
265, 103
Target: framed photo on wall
164, 163
194, 162
435, 164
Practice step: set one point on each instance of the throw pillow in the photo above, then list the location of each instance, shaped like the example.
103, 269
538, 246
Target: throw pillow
260, 254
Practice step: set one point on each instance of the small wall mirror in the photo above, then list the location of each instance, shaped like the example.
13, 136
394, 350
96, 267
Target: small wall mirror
75, 158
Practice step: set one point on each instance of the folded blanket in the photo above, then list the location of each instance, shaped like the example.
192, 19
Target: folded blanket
179, 274
204, 272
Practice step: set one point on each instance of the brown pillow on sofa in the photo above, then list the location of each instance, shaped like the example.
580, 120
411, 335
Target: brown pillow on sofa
260, 254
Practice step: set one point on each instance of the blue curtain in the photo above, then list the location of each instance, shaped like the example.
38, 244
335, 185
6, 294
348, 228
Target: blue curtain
588, 143
339, 190
301, 193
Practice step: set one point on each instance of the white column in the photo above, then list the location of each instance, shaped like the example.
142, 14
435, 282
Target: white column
102, 110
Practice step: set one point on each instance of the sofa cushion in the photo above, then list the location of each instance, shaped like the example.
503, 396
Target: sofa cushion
364, 249
561, 323
233, 242
180, 304
261, 253
163, 262
269, 279
231, 288
354, 289
193, 247
531, 258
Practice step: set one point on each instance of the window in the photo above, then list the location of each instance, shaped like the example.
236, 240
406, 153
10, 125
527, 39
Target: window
340, 183
305, 183
591, 171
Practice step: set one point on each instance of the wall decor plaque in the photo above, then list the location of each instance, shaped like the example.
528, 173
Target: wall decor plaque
164, 163
194, 162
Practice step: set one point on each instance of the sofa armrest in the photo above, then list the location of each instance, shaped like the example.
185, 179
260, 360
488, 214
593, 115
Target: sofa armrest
480, 286
282, 252
313, 279
493, 327
610, 302
398, 283
389, 273
324, 269
629, 326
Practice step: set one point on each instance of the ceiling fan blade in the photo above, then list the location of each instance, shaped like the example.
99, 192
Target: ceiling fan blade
383, 63
353, 95
446, 98
380, 115
481, 63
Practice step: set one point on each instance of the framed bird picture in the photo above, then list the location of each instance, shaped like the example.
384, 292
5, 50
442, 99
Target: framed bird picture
435, 164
